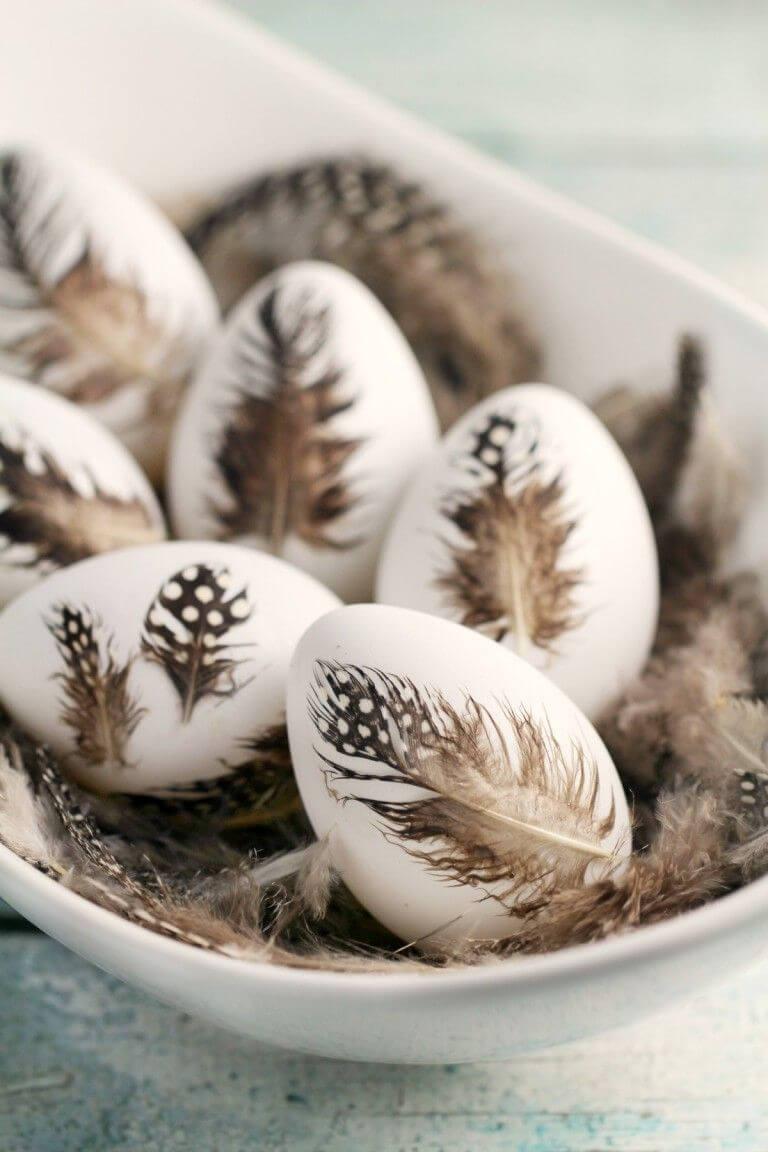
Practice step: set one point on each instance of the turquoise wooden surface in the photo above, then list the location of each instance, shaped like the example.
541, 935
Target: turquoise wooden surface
657, 115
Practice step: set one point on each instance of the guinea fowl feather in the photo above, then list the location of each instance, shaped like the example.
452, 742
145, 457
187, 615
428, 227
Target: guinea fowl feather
97, 703
489, 801
186, 632
508, 575
438, 280
283, 462
56, 523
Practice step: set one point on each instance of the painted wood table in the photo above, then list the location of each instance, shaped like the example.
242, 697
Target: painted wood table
658, 116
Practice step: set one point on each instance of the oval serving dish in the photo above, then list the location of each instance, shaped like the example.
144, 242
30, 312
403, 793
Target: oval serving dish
608, 307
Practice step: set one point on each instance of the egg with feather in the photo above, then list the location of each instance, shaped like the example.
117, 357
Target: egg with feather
68, 488
528, 525
162, 670
101, 300
302, 427
455, 784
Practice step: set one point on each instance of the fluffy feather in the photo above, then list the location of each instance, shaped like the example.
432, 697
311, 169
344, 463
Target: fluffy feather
48, 522
683, 868
97, 703
689, 472
63, 322
432, 274
186, 632
259, 790
283, 462
509, 574
488, 802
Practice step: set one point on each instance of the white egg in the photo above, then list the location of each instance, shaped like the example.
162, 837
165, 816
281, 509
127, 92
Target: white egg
68, 488
101, 300
302, 427
158, 665
453, 780
528, 525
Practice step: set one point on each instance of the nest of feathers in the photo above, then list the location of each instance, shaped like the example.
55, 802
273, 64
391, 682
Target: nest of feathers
689, 737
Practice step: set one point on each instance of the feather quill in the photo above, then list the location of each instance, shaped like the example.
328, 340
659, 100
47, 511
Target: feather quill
489, 802
48, 522
97, 703
684, 867
282, 461
433, 274
508, 576
186, 632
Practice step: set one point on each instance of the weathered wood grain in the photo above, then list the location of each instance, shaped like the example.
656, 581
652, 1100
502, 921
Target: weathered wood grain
87, 1063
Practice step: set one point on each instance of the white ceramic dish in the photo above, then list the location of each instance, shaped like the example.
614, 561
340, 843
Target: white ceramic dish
183, 97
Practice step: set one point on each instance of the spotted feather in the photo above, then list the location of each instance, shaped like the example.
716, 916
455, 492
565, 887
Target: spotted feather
186, 632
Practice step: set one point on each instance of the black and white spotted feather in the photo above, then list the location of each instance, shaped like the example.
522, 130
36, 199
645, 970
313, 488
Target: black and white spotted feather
187, 633
478, 799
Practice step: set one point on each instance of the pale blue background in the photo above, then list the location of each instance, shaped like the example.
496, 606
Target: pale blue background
656, 114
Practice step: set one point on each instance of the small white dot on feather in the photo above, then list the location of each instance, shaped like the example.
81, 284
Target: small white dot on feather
204, 594
172, 590
239, 608
190, 613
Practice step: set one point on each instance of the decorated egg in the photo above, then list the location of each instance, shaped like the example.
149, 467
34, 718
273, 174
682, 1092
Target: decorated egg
528, 525
455, 783
68, 488
100, 298
302, 427
160, 666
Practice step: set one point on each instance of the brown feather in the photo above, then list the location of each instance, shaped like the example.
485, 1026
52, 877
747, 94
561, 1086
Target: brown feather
49, 515
508, 575
684, 868
282, 461
434, 275
259, 790
76, 330
97, 703
488, 802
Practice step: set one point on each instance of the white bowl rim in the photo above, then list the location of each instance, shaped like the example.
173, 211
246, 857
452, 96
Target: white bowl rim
663, 938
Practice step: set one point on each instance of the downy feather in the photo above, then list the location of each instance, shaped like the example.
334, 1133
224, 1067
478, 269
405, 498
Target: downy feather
259, 790
434, 275
683, 868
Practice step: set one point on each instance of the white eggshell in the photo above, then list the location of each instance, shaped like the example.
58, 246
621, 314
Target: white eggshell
528, 524
360, 659
101, 300
325, 513
263, 605
68, 488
